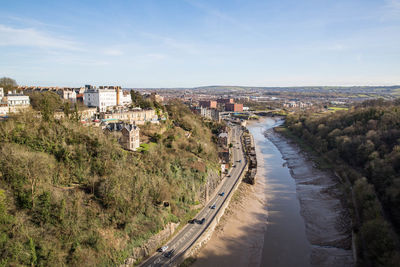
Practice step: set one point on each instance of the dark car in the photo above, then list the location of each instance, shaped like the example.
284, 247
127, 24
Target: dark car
234, 166
222, 194
213, 206
201, 221
192, 221
169, 253
228, 175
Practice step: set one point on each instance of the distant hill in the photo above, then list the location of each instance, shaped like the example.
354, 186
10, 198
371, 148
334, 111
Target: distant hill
228, 89
392, 90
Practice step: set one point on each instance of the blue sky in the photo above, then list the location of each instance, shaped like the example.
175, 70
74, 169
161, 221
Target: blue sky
186, 43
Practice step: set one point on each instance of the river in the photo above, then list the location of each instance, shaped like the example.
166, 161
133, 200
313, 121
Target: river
292, 216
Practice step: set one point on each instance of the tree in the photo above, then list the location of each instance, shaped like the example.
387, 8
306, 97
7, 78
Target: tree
137, 98
8, 84
47, 103
23, 167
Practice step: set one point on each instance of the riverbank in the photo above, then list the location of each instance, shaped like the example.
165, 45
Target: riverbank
292, 216
328, 225
238, 239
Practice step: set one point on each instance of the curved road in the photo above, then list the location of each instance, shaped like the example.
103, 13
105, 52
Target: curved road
191, 232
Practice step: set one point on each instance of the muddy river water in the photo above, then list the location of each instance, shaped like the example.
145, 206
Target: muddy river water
292, 216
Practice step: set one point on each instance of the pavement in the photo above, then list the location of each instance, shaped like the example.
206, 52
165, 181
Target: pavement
189, 234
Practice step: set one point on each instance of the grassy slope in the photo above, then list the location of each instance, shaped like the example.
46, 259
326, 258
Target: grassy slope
69, 195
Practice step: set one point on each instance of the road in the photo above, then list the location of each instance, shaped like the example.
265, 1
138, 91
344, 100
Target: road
191, 232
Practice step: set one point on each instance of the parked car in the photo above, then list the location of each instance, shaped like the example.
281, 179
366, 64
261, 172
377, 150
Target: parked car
201, 221
192, 221
163, 248
222, 194
169, 253
213, 206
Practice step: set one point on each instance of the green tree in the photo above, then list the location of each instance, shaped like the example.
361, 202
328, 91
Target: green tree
47, 103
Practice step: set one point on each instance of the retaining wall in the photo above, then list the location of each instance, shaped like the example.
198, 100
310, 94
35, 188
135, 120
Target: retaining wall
206, 235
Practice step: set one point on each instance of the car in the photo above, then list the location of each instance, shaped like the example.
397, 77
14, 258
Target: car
234, 166
201, 221
213, 206
192, 221
239, 160
222, 194
163, 248
228, 175
169, 253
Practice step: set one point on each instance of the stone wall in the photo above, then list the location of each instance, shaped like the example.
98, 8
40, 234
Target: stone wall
151, 245
213, 180
203, 239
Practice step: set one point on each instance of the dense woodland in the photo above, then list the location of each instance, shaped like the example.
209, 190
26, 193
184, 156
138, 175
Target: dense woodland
69, 195
363, 146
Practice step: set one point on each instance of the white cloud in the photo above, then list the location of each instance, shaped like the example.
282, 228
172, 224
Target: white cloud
33, 38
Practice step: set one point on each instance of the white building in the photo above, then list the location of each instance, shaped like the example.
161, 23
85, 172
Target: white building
100, 98
12, 102
125, 98
67, 94
17, 100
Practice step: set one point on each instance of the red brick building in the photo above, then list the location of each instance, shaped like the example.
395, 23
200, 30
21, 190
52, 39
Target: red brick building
208, 104
233, 107
225, 100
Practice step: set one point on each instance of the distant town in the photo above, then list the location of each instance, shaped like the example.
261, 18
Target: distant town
110, 107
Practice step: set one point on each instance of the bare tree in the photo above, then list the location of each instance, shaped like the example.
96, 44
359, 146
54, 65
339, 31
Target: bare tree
8, 84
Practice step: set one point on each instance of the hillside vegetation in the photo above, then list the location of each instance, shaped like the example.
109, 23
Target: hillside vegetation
363, 146
69, 195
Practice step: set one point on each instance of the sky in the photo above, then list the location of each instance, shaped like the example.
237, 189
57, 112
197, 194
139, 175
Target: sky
189, 43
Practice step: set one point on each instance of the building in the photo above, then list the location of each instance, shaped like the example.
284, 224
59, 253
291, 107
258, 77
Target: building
225, 101
156, 97
67, 94
137, 117
223, 139
125, 98
13, 102
208, 104
14, 99
101, 98
129, 138
234, 107
210, 113
224, 156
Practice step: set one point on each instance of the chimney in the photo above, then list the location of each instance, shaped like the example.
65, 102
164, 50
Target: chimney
117, 95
